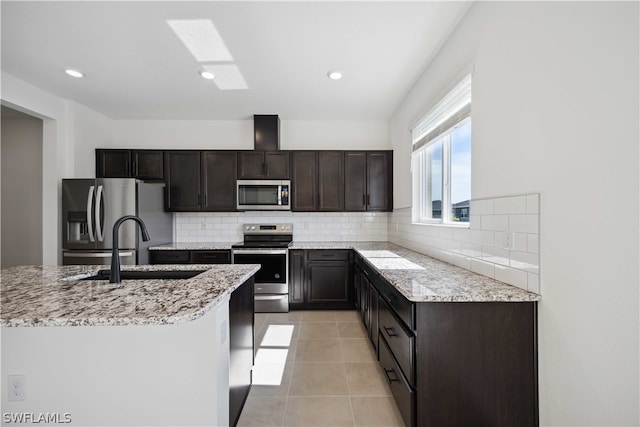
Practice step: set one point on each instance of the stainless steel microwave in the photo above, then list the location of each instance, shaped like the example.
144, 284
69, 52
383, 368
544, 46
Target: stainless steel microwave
263, 195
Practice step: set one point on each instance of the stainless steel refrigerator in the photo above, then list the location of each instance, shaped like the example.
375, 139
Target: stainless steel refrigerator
91, 206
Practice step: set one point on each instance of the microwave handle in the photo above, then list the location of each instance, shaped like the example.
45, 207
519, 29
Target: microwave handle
279, 195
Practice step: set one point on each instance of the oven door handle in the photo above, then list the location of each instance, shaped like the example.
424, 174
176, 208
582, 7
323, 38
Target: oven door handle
259, 251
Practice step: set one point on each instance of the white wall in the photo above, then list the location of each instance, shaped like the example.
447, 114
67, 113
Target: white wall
555, 112
70, 134
57, 149
21, 191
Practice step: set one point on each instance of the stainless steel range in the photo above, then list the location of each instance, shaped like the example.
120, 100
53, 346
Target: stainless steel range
267, 245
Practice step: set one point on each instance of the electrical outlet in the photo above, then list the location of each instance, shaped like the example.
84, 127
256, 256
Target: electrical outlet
17, 387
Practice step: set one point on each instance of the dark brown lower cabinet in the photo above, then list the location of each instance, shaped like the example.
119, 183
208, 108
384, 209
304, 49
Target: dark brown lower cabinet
215, 256
241, 356
477, 364
320, 279
453, 364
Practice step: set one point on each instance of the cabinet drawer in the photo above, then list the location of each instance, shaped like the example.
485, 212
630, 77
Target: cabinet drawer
328, 255
169, 257
401, 341
402, 307
211, 257
403, 393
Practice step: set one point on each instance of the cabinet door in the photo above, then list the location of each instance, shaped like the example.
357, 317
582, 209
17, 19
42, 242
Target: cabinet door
296, 276
113, 163
219, 180
355, 181
182, 172
251, 165
277, 164
330, 181
148, 164
328, 282
379, 181
303, 181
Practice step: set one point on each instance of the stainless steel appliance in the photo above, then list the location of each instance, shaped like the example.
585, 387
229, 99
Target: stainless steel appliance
267, 245
90, 207
263, 194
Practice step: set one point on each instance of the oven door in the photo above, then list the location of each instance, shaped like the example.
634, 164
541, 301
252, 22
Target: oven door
271, 286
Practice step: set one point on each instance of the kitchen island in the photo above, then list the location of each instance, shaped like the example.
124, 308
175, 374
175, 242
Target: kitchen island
144, 352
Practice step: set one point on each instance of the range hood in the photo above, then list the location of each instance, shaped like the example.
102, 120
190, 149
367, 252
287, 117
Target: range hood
266, 130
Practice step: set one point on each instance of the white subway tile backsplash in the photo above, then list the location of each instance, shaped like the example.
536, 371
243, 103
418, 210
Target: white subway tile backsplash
483, 267
533, 245
527, 223
510, 205
512, 276
481, 207
533, 203
533, 283
502, 240
494, 222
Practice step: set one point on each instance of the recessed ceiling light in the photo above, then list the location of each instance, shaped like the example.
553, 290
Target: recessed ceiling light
74, 73
207, 75
335, 75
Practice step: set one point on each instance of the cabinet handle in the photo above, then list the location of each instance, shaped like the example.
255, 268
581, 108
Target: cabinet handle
387, 373
198, 199
204, 203
364, 199
368, 200
390, 331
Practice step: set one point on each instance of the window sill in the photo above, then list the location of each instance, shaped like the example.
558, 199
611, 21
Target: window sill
440, 224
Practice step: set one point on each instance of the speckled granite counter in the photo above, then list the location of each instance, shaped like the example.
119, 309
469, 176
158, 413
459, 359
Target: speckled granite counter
55, 295
418, 277
192, 246
424, 279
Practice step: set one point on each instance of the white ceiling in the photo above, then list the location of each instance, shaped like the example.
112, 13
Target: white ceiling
136, 68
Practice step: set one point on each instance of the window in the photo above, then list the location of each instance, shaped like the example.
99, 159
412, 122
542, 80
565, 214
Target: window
441, 160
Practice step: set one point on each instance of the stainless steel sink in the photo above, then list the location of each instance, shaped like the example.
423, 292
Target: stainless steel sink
146, 275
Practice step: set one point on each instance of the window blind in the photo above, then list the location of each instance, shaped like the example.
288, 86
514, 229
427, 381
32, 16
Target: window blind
454, 107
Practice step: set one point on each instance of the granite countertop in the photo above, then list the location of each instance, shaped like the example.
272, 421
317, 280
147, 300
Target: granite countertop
421, 278
55, 295
192, 246
418, 277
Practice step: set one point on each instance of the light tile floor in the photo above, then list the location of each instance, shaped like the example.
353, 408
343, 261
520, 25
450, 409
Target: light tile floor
316, 368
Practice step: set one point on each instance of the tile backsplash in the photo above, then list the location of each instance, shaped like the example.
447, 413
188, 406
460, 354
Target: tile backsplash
307, 227
502, 240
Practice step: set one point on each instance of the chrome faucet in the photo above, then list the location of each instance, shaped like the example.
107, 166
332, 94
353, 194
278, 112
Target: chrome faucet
115, 255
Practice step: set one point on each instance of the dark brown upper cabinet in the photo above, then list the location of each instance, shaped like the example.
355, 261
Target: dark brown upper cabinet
182, 175
330, 181
368, 180
219, 170
304, 181
263, 165
141, 164
317, 181
200, 181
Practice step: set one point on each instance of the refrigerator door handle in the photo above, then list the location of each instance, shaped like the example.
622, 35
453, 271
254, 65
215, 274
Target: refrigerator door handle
89, 211
99, 201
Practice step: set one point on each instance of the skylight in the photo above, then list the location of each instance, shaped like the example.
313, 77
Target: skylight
202, 39
227, 76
